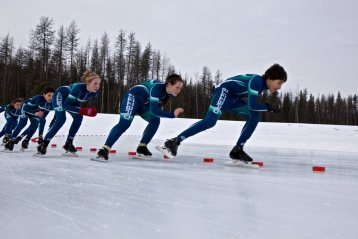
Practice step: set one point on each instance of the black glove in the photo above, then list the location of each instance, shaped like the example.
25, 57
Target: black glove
40, 140
273, 108
164, 101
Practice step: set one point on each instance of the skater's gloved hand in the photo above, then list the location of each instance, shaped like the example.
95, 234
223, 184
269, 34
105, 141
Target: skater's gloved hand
273, 108
39, 113
91, 112
178, 111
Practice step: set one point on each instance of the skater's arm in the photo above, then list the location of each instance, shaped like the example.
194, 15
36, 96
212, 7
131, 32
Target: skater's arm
30, 106
254, 90
71, 104
154, 102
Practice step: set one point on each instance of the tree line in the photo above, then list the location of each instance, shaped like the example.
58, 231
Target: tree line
55, 58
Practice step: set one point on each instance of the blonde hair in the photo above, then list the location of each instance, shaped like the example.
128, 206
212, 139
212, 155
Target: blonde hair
89, 76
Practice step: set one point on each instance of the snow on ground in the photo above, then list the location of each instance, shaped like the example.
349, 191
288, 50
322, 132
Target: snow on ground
58, 197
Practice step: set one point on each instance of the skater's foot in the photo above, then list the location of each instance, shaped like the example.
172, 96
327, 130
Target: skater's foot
9, 145
103, 153
237, 153
69, 146
42, 148
18, 139
172, 145
142, 150
6, 139
25, 144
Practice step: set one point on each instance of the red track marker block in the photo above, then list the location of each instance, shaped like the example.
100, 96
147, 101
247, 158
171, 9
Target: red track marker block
318, 169
53, 145
93, 150
208, 160
79, 148
112, 151
132, 153
261, 164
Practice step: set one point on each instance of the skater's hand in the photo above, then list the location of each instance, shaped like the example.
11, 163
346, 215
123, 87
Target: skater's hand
273, 108
178, 111
91, 112
39, 114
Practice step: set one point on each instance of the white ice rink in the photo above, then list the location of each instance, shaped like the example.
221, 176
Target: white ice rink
57, 197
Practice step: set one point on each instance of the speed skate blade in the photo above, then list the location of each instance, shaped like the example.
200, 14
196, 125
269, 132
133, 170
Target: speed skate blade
164, 151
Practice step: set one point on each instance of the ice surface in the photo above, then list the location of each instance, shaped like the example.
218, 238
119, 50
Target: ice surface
62, 197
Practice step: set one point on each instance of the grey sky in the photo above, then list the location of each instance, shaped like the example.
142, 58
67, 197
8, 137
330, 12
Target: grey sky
315, 40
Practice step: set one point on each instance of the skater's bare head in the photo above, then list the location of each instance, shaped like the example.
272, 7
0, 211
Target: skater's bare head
275, 76
48, 93
17, 103
92, 81
174, 83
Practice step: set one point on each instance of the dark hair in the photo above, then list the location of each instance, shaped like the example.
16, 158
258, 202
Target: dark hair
17, 100
48, 89
172, 79
275, 72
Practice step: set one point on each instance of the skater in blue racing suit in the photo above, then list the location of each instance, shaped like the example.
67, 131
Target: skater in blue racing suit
12, 113
68, 99
239, 95
146, 101
33, 109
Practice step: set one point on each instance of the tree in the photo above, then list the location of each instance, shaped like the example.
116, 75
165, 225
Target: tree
58, 57
146, 62
42, 37
6, 51
72, 40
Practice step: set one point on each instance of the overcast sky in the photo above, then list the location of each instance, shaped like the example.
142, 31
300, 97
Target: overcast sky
315, 40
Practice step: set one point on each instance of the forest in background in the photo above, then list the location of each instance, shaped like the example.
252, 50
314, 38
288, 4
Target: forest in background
55, 58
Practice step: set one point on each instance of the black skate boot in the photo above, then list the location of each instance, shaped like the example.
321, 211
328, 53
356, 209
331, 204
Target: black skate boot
9, 145
142, 151
42, 148
237, 153
5, 139
25, 144
18, 139
172, 145
102, 154
69, 146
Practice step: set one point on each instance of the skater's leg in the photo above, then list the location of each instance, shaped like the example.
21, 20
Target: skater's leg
219, 102
42, 124
117, 131
22, 123
208, 122
30, 131
151, 129
127, 112
75, 126
253, 118
60, 120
